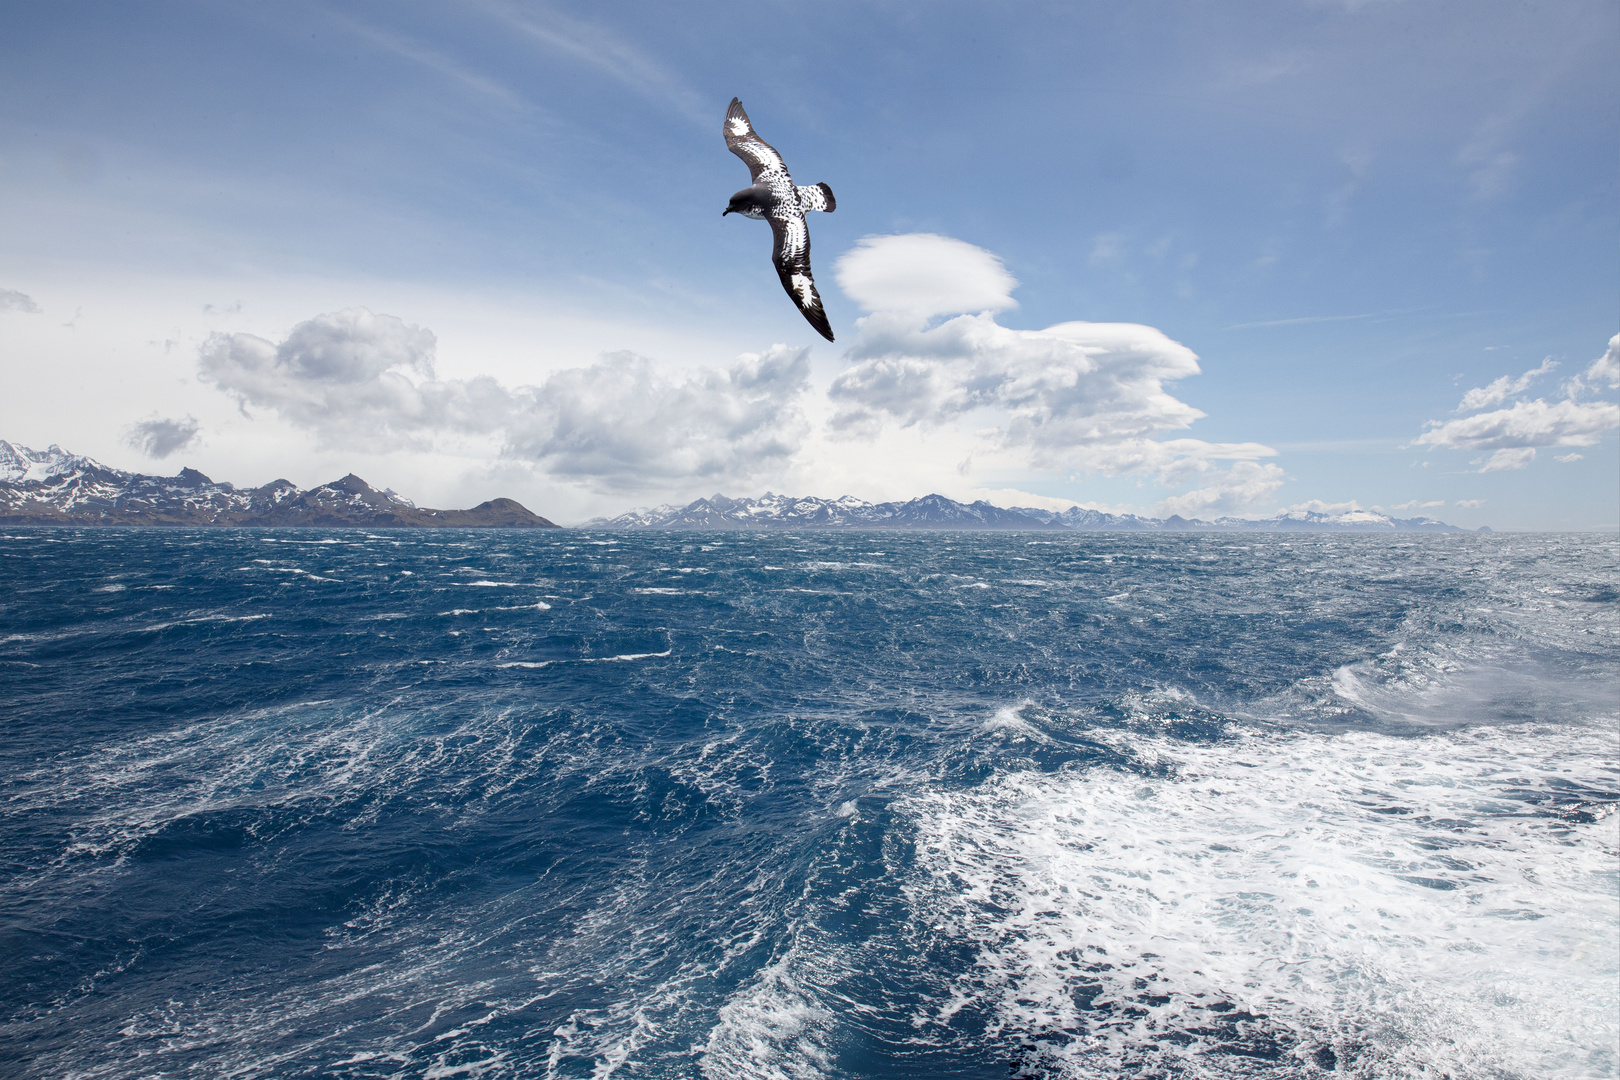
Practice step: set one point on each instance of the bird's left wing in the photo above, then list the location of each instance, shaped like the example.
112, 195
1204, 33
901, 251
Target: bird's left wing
760, 155
791, 254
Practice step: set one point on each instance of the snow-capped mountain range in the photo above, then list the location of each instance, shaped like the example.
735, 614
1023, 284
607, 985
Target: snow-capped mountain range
55, 487
938, 512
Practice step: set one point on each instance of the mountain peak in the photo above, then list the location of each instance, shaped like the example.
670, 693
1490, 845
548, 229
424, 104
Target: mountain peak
20, 464
354, 485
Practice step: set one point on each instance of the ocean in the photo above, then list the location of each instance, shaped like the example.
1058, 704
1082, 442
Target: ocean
284, 803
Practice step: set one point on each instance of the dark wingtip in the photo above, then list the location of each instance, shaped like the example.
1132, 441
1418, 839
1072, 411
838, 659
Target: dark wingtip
826, 193
734, 111
818, 319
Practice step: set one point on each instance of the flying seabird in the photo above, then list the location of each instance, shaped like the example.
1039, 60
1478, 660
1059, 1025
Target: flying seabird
774, 198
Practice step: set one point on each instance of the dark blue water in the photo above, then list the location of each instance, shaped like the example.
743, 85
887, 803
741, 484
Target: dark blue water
324, 803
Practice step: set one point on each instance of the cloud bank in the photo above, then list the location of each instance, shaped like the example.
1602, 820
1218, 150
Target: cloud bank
359, 379
1512, 435
623, 422
1076, 396
930, 357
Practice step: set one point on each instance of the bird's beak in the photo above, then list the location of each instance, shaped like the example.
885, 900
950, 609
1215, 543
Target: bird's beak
726, 211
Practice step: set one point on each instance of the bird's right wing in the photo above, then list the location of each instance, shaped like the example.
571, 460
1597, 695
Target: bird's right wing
760, 155
791, 254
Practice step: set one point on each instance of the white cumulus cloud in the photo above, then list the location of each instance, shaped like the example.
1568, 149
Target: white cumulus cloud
1078, 395
1319, 506
356, 378
1498, 391
1525, 425
1512, 435
1242, 487
1515, 457
623, 422
1606, 368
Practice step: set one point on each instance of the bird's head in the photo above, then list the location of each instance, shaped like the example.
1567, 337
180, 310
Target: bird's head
749, 202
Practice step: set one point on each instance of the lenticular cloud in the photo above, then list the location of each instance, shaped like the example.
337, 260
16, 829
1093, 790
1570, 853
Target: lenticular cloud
924, 274
1078, 395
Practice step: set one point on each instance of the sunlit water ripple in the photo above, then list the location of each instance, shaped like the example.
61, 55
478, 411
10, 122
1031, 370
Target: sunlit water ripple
434, 804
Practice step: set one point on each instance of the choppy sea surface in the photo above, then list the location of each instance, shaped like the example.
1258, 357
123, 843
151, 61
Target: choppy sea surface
844, 804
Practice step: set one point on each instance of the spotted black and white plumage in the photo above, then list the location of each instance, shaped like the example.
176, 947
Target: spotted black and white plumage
774, 198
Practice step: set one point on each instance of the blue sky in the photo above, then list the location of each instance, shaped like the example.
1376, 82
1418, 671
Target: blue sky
1351, 214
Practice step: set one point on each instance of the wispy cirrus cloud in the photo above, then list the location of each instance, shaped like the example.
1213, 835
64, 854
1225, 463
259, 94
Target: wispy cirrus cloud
1306, 320
436, 61
593, 45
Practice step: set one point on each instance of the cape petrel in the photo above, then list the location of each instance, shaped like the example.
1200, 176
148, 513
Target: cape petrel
774, 198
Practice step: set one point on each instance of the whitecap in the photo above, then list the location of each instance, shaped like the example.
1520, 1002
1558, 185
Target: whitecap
773, 1029
622, 657
199, 619
1382, 902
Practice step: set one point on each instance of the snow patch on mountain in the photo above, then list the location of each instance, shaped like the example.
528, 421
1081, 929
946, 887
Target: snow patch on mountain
19, 463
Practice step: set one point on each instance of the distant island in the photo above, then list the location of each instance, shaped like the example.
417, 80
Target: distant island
938, 512
55, 487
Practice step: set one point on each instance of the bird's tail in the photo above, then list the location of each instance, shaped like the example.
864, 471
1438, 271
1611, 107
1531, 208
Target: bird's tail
819, 197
